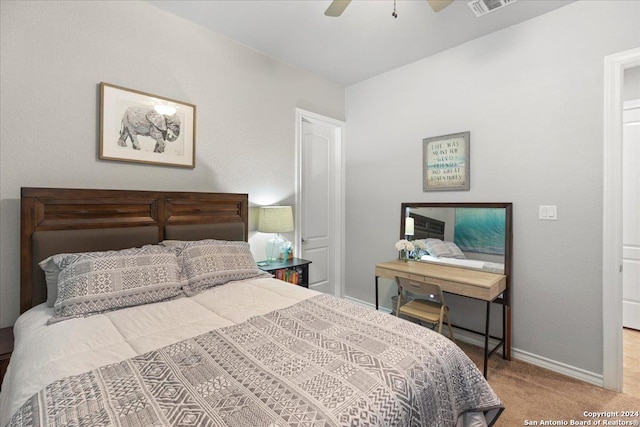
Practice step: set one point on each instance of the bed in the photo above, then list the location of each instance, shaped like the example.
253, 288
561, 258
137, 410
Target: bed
247, 350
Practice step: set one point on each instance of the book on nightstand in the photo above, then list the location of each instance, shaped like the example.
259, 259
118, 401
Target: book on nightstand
295, 270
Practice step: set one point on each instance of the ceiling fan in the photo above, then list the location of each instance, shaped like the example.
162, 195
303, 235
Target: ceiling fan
338, 6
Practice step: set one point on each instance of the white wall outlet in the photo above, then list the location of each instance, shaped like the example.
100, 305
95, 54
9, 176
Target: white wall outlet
548, 213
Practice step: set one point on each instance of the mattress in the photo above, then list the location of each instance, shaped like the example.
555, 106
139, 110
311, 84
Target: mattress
47, 358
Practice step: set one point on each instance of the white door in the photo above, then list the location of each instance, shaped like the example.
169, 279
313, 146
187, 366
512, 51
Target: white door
631, 215
319, 215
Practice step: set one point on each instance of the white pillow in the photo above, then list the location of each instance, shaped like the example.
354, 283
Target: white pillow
437, 248
51, 272
454, 251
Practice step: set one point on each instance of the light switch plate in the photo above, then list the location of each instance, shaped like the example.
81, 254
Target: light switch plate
548, 213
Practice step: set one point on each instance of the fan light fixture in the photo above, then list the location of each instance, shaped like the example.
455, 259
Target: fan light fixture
338, 6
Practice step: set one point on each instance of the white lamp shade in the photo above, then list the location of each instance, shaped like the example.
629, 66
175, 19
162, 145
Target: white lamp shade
275, 219
408, 226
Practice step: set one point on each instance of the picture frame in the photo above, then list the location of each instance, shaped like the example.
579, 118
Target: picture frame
141, 127
446, 162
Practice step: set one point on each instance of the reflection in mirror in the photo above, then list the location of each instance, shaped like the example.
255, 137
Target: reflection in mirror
470, 235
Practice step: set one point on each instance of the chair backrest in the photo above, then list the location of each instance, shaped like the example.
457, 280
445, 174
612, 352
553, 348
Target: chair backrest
429, 291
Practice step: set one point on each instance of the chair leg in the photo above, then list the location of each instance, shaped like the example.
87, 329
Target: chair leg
446, 313
442, 311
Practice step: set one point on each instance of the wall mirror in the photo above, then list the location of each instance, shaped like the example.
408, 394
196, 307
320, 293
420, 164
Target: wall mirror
482, 232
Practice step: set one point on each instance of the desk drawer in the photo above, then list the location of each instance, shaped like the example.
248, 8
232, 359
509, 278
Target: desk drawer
422, 287
392, 274
413, 277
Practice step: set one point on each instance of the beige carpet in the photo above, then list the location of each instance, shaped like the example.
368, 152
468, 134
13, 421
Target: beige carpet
536, 394
631, 352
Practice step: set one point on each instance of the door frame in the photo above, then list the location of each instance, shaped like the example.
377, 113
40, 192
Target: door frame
338, 236
632, 105
612, 356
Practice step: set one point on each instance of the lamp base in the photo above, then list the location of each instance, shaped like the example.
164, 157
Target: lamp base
273, 248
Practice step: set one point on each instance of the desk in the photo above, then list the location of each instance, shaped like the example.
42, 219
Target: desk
469, 283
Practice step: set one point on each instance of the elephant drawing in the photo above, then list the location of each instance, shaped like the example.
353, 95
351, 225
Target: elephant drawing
147, 122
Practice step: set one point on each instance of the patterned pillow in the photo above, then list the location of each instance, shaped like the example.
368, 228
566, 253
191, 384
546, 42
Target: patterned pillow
93, 282
51, 272
455, 251
437, 248
208, 263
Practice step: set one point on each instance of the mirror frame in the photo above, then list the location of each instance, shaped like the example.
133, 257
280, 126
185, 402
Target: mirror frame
508, 207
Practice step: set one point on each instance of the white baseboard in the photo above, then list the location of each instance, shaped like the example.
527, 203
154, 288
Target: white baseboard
534, 359
366, 304
559, 367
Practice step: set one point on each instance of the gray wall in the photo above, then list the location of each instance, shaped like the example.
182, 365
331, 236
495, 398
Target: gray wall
53, 56
532, 98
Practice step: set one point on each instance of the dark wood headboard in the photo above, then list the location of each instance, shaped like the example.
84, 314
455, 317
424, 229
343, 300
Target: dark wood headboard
63, 220
427, 228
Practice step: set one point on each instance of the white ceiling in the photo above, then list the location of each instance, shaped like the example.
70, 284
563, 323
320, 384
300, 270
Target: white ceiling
365, 41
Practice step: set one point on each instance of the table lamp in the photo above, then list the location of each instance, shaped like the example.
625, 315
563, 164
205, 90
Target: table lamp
408, 227
275, 219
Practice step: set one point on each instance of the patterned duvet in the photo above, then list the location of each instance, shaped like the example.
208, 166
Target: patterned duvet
320, 362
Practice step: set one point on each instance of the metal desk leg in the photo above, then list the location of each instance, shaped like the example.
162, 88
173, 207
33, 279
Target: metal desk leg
504, 326
508, 339
486, 339
376, 293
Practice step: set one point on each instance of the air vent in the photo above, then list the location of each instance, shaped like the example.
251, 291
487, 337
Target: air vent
482, 7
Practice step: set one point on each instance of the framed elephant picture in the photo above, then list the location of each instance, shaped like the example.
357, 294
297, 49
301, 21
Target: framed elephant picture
144, 128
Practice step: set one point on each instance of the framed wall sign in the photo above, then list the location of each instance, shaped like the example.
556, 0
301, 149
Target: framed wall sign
144, 128
445, 162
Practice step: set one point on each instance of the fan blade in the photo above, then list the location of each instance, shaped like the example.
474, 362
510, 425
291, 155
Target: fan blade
337, 7
438, 5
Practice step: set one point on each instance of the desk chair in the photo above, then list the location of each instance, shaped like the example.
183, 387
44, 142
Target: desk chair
432, 309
